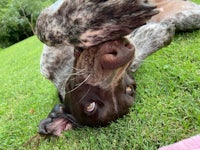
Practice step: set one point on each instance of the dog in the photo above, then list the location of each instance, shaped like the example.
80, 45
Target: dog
94, 80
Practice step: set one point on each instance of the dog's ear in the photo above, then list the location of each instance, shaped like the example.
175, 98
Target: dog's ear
88, 23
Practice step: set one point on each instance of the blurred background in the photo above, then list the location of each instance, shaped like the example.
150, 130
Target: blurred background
17, 19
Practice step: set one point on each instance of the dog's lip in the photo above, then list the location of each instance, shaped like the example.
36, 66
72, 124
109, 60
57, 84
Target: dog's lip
72, 120
63, 124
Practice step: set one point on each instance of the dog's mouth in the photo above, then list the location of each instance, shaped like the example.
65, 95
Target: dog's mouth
55, 126
58, 120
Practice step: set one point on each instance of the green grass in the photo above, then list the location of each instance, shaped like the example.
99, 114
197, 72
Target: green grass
166, 110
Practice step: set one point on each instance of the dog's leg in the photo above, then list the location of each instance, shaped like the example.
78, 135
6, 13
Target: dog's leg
149, 39
177, 15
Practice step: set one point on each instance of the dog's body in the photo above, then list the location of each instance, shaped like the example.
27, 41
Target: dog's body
94, 84
85, 23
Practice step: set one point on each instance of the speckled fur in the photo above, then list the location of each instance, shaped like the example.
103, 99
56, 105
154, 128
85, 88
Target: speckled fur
57, 65
57, 62
149, 39
175, 15
86, 23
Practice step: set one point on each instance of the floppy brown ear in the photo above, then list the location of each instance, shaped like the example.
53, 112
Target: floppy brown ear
88, 23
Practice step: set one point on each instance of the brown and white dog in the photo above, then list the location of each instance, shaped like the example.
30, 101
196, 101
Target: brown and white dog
93, 76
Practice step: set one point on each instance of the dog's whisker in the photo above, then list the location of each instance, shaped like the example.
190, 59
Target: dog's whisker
76, 74
78, 85
71, 79
77, 69
79, 72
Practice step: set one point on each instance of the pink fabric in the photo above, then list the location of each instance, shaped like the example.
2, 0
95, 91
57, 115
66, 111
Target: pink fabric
192, 143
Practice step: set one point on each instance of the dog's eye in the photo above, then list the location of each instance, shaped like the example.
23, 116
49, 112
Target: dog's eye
91, 107
129, 90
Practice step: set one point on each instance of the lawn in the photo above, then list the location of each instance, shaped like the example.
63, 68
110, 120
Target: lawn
166, 109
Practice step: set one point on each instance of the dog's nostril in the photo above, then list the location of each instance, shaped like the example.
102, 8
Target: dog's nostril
113, 52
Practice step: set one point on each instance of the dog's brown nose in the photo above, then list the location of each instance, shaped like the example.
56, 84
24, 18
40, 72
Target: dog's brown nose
116, 53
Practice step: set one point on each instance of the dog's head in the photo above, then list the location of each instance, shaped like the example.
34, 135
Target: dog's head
100, 90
